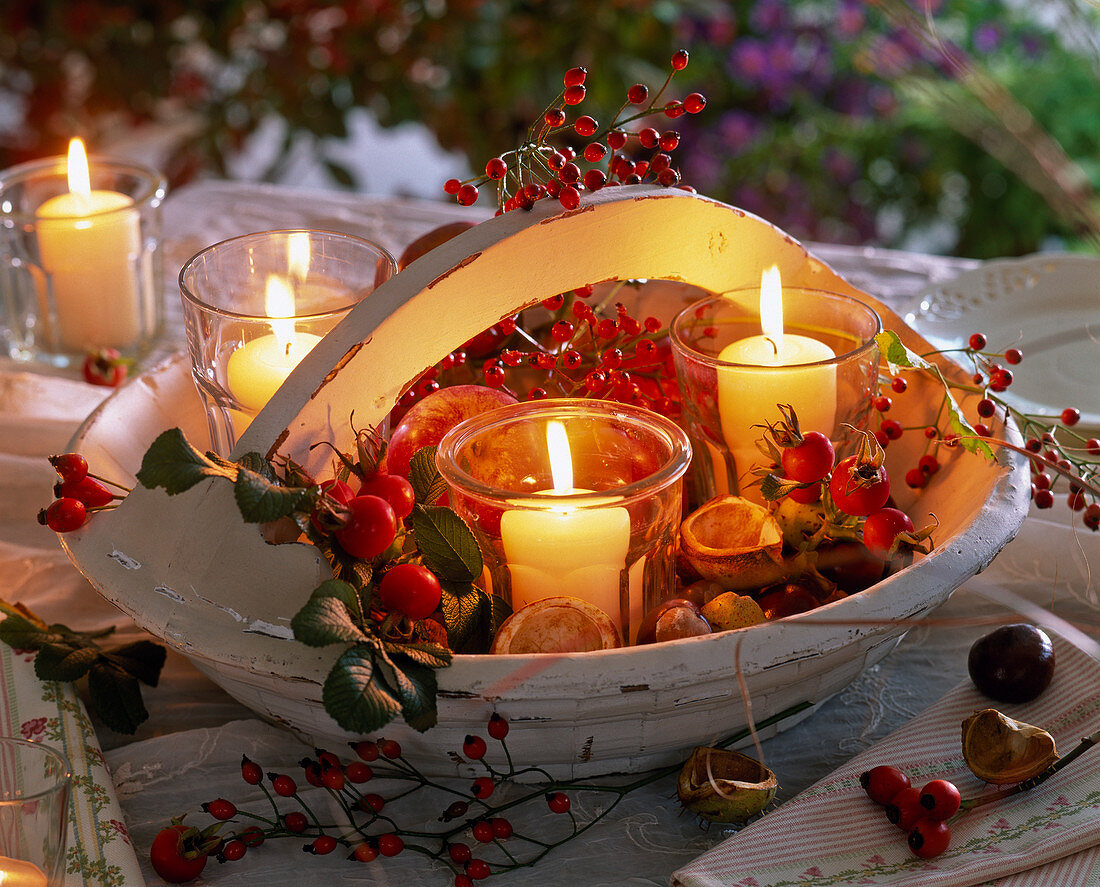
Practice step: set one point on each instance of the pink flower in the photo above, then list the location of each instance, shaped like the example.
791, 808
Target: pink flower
33, 729
120, 827
813, 871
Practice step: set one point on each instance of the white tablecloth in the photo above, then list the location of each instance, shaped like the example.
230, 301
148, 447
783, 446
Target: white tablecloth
189, 750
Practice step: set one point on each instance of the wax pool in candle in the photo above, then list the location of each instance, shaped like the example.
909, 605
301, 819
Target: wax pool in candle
774, 371
20, 873
257, 369
89, 243
559, 550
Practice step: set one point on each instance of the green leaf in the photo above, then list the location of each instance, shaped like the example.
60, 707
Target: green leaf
446, 544
142, 659
969, 439
416, 689
323, 621
427, 482
116, 698
426, 654
895, 353
257, 463
462, 613
342, 591
21, 633
260, 500
352, 695
172, 463
63, 662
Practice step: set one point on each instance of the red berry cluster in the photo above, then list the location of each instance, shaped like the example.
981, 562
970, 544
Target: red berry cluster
367, 829
77, 495
1056, 449
921, 813
537, 169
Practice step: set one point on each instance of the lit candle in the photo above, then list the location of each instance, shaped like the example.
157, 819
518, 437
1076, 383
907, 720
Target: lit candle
89, 244
257, 369
572, 552
19, 873
777, 368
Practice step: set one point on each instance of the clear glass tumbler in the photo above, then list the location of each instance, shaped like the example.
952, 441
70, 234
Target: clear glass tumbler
34, 813
731, 388
254, 306
79, 273
599, 525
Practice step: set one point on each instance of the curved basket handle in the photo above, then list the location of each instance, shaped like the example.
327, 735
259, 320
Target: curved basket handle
489, 272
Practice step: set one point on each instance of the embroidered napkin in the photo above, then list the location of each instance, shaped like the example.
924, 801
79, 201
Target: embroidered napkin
833, 834
98, 852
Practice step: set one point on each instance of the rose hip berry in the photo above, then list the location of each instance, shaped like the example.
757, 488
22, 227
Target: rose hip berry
70, 466
411, 589
295, 822
283, 785
929, 838
459, 852
220, 808
234, 850
358, 772
478, 869
482, 832
940, 799
322, 845
883, 782
905, 809
370, 528
498, 727
558, 802
390, 844
482, 787
811, 460
366, 749
474, 748
390, 748
64, 515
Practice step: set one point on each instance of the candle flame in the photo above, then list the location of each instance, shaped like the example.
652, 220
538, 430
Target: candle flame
771, 306
298, 254
279, 306
561, 460
79, 178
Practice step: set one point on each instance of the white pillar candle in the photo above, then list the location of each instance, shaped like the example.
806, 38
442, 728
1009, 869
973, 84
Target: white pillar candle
777, 368
257, 369
89, 245
559, 550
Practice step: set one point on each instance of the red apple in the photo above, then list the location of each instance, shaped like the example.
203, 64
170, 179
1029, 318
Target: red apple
427, 242
429, 419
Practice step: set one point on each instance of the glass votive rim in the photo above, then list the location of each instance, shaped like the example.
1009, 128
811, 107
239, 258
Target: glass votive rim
563, 408
62, 778
791, 324
245, 241
154, 184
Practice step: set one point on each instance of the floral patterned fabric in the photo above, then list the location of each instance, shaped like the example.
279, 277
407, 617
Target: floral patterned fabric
98, 852
832, 834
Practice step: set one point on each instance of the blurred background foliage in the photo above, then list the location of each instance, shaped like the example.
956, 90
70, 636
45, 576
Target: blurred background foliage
839, 120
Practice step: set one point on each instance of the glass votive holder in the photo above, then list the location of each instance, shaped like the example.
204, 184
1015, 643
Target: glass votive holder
255, 305
79, 270
732, 378
572, 497
34, 813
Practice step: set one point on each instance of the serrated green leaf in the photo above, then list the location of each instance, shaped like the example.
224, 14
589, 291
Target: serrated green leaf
172, 463
116, 698
462, 613
352, 695
969, 439
323, 621
259, 500
446, 544
416, 689
426, 654
427, 482
773, 488
23, 634
143, 659
896, 354
257, 463
342, 591
63, 662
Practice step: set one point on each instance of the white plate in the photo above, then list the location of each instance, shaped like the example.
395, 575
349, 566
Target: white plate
1048, 306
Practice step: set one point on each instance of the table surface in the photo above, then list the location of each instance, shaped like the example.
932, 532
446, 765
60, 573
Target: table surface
189, 750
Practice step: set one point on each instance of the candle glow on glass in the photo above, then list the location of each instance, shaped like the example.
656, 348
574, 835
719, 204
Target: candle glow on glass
565, 551
20, 873
775, 367
89, 244
257, 369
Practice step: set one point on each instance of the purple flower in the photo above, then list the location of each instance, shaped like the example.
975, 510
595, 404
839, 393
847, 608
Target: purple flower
849, 18
988, 37
737, 129
749, 59
768, 15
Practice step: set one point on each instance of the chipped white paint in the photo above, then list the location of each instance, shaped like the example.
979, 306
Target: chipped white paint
570, 713
127, 562
169, 592
258, 626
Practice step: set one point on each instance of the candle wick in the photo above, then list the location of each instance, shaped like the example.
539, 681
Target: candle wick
288, 348
772, 342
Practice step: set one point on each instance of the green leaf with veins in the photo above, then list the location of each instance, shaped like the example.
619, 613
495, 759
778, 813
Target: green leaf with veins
354, 697
323, 621
116, 698
172, 463
447, 546
261, 500
63, 662
416, 688
427, 654
427, 482
143, 659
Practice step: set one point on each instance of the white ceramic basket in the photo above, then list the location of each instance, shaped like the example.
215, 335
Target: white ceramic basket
191, 572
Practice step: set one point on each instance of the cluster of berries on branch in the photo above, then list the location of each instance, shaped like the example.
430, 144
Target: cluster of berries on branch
608, 154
